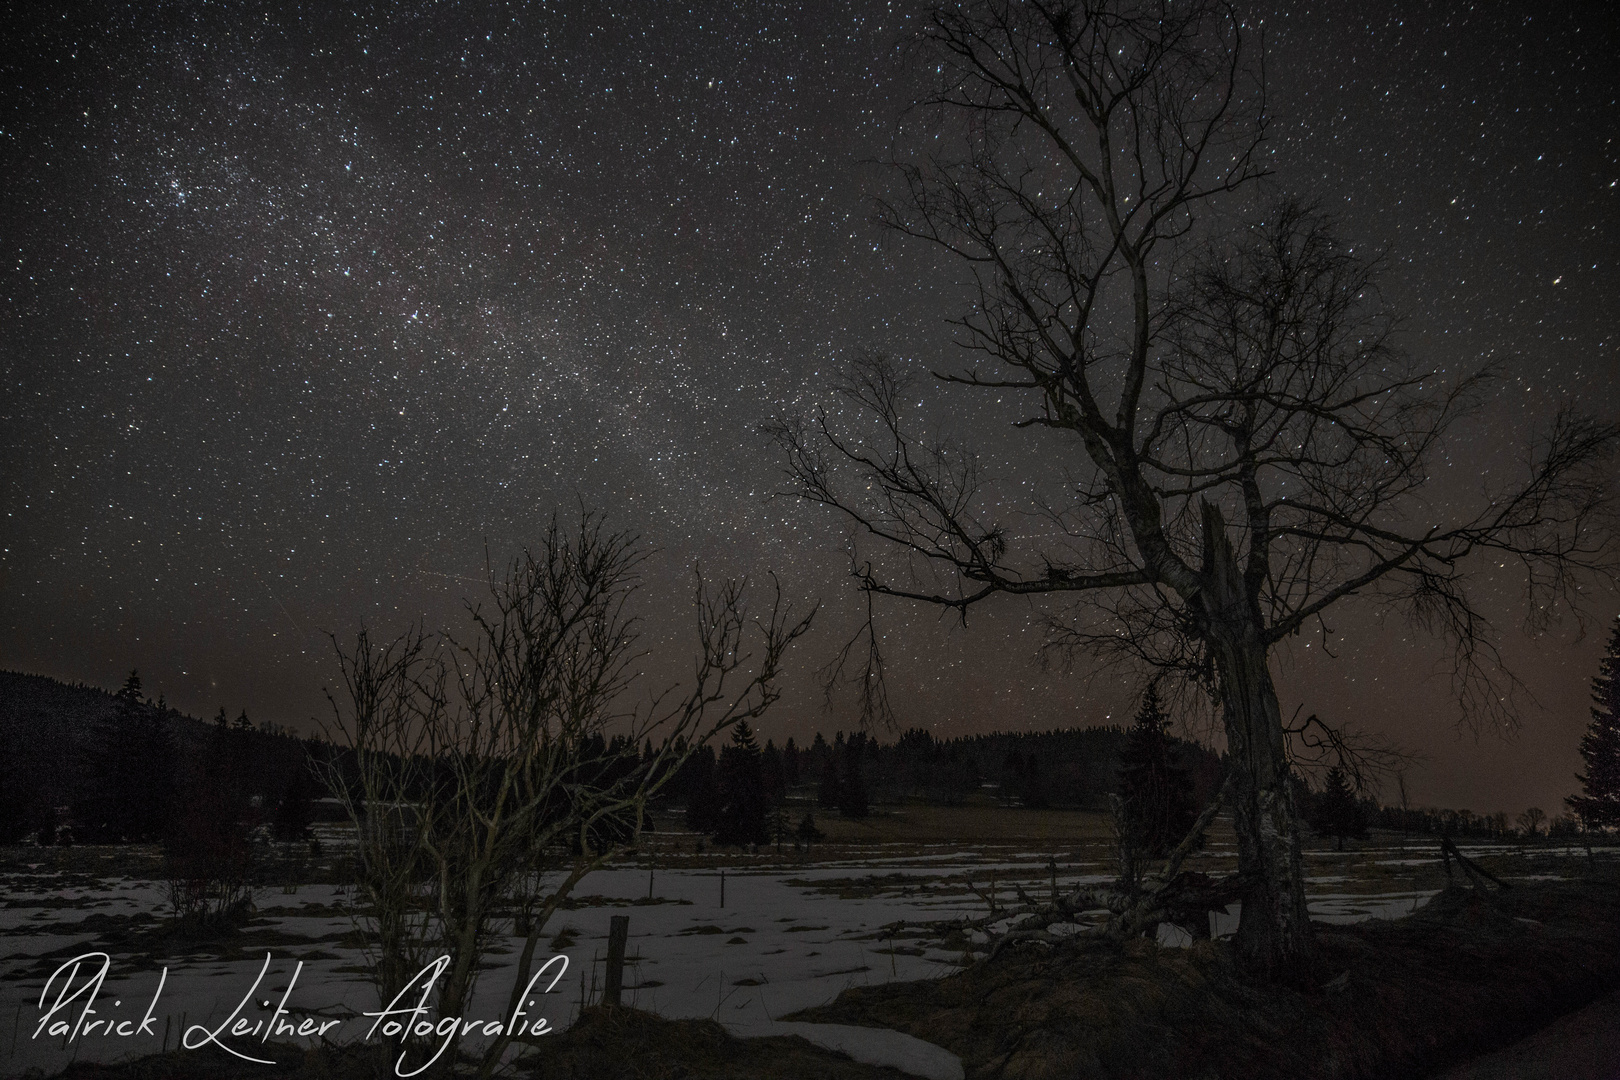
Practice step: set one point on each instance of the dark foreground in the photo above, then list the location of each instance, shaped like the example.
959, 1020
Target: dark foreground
1469, 973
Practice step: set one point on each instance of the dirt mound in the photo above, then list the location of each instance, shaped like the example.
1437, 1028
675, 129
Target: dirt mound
1468, 973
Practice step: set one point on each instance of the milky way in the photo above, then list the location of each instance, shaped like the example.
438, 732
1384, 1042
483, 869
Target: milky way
304, 313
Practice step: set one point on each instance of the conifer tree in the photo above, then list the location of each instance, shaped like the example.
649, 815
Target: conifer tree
292, 818
102, 810
790, 762
852, 800
1598, 806
807, 832
702, 791
741, 818
774, 774
1155, 792
207, 850
1031, 787
831, 786
1335, 812
150, 773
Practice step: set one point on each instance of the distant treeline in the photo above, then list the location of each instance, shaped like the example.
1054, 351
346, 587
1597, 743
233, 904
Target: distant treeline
1075, 768
83, 764
1496, 826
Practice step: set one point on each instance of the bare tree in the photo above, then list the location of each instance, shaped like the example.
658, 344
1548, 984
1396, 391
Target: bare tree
380, 772
1531, 820
507, 766
1223, 442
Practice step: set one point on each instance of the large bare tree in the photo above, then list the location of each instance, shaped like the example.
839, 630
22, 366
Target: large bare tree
1236, 444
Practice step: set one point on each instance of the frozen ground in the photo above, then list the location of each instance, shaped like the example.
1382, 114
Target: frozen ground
790, 933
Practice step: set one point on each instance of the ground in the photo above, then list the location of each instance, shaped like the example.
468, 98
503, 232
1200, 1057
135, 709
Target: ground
818, 934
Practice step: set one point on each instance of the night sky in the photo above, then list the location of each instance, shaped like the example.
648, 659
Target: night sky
306, 310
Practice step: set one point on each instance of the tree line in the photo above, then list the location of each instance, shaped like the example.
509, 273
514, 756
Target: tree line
87, 766
1074, 768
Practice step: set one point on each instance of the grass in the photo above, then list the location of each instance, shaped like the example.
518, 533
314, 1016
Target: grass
919, 823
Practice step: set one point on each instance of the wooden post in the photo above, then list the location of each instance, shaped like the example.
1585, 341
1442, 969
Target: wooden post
618, 932
722, 889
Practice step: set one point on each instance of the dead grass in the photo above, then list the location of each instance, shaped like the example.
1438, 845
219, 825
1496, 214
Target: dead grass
918, 823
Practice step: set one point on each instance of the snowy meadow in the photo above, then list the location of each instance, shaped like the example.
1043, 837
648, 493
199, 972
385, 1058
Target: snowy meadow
744, 938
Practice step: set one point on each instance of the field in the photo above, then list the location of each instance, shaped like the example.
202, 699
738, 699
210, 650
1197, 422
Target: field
740, 938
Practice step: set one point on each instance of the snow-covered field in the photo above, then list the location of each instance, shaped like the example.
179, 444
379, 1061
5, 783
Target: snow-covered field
790, 932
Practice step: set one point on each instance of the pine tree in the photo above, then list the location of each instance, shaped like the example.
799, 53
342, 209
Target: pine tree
150, 767
1155, 793
790, 762
1335, 811
773, 774
807, 832
292, 816
741, 818
1031, 787
101, 810
852, 800
831, 785
702, 792
1599, 805
207, 850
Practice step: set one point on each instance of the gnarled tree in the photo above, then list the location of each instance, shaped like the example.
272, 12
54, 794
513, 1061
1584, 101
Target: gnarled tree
1222, 441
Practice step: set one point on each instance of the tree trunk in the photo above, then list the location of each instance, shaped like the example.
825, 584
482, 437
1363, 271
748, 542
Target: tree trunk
1274, 934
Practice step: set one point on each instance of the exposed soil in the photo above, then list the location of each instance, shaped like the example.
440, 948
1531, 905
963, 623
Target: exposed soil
1468, 973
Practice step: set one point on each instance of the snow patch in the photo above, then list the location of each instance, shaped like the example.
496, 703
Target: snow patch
869, 1046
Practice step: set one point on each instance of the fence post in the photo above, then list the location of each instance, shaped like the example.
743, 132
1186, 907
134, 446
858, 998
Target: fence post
618, 932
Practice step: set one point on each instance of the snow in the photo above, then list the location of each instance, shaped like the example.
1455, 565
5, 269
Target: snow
790, 935
871, 1046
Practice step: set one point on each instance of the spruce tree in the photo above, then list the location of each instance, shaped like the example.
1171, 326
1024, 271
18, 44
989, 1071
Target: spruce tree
1155, 792
702, 792
742, 816
101, 810
807, 832
207, 849
774, 774
1598, 806
1335, 811
150, 773
291, 822
831, 785
852, 800
790, 762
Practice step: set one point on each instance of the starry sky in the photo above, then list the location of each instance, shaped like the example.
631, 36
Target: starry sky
307, 311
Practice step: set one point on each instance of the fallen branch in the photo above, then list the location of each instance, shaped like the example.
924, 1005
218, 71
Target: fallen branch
1477, 874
